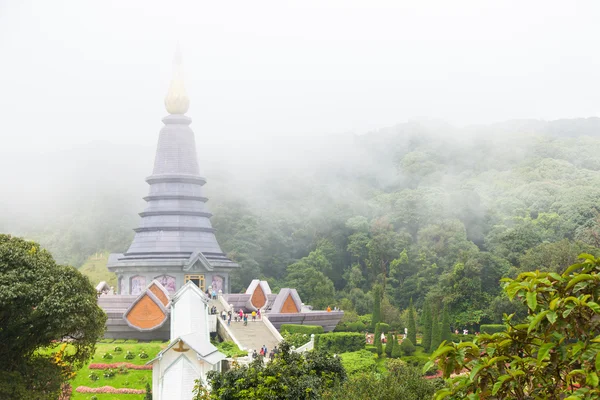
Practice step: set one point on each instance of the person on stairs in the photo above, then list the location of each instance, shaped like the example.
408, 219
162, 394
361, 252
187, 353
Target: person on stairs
253, 316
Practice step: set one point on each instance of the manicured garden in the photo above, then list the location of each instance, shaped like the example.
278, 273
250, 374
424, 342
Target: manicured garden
116, 371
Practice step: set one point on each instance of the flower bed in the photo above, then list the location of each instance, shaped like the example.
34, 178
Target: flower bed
109, 389
117, 365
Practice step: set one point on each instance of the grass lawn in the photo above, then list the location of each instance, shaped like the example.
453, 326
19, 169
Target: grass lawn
133, 379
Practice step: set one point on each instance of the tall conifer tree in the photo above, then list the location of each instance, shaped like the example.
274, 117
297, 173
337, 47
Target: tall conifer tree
377, 340
426, 341
376, 318
412, 324
389, 346
446, 334
436, 331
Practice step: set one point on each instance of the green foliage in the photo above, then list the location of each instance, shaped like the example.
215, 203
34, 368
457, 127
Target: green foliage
148, 395
397, 350
407, 347
305, 329
376, 306
446, 334
356, 326
129, 355
342, 342
389, 346
411, 324
295, 339
427, 327
383, 327
230, 349
402, 382
377, 340
554, 354
358, 361
289, 376
41, 302
436, 332
492, 328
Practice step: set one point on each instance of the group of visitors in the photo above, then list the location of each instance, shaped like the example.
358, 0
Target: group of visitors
264, 352
241, 316
213, 310
211, 295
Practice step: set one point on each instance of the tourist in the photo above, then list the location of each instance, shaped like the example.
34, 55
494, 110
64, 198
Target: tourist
271, 355
264, 349
245, 319
328, 309
229, 320
258, 313
241, 313
254, 354
275, 350
224, 315
253, 316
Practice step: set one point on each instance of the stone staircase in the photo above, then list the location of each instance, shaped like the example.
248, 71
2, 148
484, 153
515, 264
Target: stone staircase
251, 337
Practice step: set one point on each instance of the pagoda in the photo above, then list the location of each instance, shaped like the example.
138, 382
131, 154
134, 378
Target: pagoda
175, 242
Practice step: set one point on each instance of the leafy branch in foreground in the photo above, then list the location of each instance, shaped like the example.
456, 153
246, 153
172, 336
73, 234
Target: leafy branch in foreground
555, 354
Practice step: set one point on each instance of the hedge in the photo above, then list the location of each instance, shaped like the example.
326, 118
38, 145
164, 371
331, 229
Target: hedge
492, 328
342, 342
462, 338
385, 328
356, 326
304, 329
359, 361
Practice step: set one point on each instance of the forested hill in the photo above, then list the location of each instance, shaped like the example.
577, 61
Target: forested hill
424, 209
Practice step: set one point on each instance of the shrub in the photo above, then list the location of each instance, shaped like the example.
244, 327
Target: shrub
407, 347
118, 349
355, 326
119, 341
230, 349
371, 348
117, 365
383, 327
143, 355
107, 356
105, 340
131, 341
396, 351
129, 355
389, 345
358, 361
490, 329
377, 340
342, 342
109, 373
109, 389
304, 329
94, 398
295, 339
123, 370
93, 377
462, 338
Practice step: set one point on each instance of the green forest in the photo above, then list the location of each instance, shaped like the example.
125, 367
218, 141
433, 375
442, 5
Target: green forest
423, 210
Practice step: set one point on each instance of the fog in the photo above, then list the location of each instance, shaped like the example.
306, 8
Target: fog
275, 86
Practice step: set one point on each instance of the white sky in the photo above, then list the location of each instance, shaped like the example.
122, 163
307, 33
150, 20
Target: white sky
72, 72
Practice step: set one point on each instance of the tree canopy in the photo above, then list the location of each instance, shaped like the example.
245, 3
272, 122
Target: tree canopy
40, 303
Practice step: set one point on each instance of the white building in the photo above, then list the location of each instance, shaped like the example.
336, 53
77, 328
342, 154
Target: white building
190, 355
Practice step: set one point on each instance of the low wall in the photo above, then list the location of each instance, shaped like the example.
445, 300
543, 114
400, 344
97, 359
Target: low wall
328, 320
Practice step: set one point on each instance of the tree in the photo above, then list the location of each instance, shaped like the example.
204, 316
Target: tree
427, 326
553, 355
436, 331
402, 382
407, 347
42, 302
289, 376
313, 286
389, 346
377, 340
397, 350
148, 395
412, 326
377, 293
445, 326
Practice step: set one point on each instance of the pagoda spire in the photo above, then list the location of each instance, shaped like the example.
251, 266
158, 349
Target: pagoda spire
177, 100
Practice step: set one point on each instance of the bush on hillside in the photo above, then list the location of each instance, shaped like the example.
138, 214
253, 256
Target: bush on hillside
396, 351
342, 342
358, 361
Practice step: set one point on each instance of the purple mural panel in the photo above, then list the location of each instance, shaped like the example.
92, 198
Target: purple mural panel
138, 284
168, 283
217, 283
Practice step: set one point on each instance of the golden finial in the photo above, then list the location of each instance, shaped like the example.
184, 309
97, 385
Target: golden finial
177, 100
